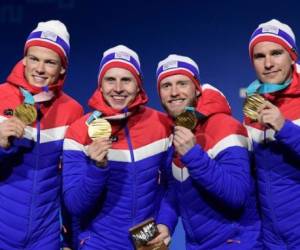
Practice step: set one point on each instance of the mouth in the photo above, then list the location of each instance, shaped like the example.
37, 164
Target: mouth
271, 73
39, 79
176, 101
118, 97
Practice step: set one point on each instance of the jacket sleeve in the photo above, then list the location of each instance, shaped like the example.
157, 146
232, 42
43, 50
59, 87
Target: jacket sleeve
14, 148
226, 175
8, 152
83, 182
168, 212
289, 135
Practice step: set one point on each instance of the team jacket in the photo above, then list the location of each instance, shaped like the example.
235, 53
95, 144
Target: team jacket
277, 162
29, 168
111, 200
211, 186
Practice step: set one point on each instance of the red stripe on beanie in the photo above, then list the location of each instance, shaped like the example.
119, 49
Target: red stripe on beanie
274, 39
122, 65
48, 45
165, 74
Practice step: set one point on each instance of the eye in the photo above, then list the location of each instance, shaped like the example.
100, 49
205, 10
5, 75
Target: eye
258, 56
51, 63
182, 83
32, 58
277, 52
126, 79
109, 79
165, 85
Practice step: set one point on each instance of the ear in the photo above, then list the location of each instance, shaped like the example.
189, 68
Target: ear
62, 71
197, 93
24, 60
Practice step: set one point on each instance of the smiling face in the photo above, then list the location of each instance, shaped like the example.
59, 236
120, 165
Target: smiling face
42, 66
272, 63
176, 93
119, 88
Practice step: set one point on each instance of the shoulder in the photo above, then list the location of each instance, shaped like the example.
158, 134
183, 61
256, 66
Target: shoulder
78, 130
70, 101
155, 119
69, 106
7, 89
224, 123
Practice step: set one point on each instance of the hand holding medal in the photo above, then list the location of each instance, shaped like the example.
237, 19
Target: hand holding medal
187, 119
184, 138
26, 111
9, 129
99, 130
143, 233
252, 105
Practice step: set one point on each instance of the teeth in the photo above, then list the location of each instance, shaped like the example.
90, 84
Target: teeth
118, 97
177, 101
39, 79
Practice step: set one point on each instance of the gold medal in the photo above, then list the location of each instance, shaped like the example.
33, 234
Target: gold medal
251, 105
186, 119
26, 113
99, 128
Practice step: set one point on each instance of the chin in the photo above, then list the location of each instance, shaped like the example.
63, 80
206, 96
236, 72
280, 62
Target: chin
38, 84
174, 113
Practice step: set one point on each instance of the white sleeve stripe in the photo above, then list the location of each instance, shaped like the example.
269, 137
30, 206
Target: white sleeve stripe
229, 141
46, 135
123, 155
70, 144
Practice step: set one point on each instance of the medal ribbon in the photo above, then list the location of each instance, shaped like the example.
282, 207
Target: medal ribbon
28, 98
43, 96
264, 88
192, 109
96, 114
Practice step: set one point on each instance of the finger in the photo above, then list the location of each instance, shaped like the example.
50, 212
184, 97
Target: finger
101, 157
167, 241
17, 121
157, 239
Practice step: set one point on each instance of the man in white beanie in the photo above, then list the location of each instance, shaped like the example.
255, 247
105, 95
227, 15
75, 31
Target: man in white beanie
211, 187
114, 156
275, 133
34, 115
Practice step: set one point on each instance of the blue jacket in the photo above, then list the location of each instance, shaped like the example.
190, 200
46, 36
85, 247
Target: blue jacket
210, 186
277, 161
109, 201
29, 169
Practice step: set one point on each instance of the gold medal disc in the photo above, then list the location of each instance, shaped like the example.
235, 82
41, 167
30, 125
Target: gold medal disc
26, 113
251, 105
99, 128
186, 119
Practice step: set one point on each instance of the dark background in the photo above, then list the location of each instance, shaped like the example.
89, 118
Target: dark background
214, 33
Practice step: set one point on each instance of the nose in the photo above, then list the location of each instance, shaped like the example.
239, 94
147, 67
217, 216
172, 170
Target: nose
40, 68
174, 90
268, 62
119, 86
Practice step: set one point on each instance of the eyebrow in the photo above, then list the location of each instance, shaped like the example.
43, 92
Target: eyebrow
183, 81
272, 51
44, 59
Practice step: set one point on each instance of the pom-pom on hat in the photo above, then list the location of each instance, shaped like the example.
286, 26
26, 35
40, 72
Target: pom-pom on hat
178, 65
276, 32
53, 35
120, 57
